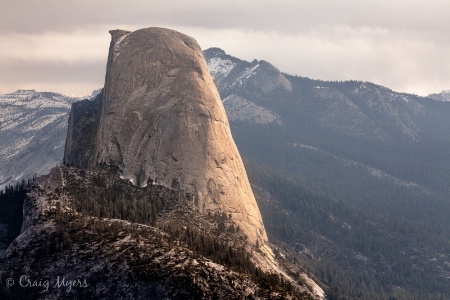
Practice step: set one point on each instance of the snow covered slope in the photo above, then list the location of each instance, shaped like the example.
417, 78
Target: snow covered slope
443, 96
230, 73
33, 127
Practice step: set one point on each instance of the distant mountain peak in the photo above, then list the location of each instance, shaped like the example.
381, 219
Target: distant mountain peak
215, 51
229, 72
442, 96
24, 92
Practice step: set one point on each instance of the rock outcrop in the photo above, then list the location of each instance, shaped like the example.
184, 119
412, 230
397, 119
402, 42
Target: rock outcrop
242, 110
162, 121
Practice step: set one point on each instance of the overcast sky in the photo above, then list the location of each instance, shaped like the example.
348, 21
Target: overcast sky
62, 46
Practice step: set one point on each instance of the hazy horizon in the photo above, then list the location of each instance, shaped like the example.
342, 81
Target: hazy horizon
402, 45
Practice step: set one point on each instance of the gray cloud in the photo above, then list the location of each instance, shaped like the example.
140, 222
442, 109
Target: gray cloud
78, 79
282, 15
402, 44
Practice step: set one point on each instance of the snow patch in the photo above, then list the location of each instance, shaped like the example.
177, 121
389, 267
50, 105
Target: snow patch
40, 123
247, 74
443, 96
219, 66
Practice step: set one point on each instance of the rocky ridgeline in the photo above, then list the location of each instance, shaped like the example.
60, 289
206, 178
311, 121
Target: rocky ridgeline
75, 242
442, 96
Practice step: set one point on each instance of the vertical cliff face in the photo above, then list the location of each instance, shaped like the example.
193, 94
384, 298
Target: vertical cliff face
161, 120
84, 121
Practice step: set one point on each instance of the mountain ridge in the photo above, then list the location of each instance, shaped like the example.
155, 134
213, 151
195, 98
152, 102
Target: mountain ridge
229, 71
353, 179
442, 96
32, 128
